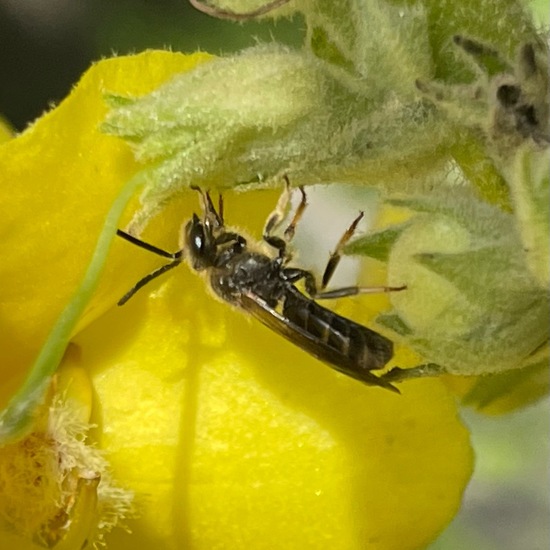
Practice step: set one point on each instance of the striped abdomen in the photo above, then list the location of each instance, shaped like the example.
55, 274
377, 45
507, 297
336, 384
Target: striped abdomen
346, 345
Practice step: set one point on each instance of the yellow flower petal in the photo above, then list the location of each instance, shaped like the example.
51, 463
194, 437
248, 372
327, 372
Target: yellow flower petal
227, 433
58, 180
6, 132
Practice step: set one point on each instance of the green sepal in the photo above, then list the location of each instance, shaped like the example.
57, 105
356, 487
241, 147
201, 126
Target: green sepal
505, 390
394, 322
376, 245
474, 270
529, 178
115, 100
472, 304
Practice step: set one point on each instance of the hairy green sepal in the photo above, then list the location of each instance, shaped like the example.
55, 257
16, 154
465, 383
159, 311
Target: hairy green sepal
441, 105
472, 305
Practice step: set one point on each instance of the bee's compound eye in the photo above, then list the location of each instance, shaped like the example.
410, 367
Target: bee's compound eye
195, 236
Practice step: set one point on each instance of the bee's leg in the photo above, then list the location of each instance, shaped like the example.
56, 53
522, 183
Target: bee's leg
397, 374
220, 208
228, 237
332, 264
237, 241
290, 230
354, 290
276, 218
336, 255
295, 274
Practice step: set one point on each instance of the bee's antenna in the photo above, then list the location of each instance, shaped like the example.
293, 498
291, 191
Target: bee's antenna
175, 257
209, 209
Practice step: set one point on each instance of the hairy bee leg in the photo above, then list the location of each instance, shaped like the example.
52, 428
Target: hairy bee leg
278, 214
294, 274
290, 230
397, 374
336, 255
354, 291
220, 209
238, 242
276, 218
230, 237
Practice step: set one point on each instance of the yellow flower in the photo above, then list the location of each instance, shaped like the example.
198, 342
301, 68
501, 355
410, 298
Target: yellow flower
221, 434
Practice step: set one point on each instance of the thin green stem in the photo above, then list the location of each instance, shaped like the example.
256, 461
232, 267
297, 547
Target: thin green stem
16, 419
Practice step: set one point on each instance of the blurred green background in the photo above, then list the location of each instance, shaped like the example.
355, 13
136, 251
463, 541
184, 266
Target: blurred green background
45, 45
507, 504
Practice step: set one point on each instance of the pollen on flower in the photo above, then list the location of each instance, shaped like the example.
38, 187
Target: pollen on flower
29, 484
55, 487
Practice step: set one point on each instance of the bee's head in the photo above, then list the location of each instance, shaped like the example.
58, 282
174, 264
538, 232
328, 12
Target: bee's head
200, 243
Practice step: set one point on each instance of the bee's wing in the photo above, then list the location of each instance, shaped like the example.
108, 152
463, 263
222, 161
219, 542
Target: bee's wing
271, 318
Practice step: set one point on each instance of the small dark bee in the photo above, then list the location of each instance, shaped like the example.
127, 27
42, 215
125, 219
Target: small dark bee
265, 287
